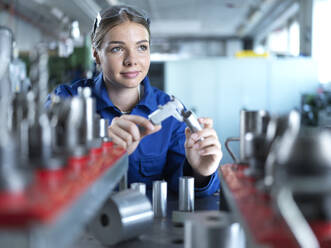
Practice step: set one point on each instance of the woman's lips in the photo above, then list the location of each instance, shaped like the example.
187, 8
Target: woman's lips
130, 74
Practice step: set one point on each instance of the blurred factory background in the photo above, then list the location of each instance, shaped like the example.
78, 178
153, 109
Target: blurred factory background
217, 56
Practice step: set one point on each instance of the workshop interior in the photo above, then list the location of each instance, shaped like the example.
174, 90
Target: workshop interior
261, 69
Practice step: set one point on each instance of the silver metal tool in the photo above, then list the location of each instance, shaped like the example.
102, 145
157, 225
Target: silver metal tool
176, 109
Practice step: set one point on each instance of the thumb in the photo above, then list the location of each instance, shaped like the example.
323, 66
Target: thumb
188, 141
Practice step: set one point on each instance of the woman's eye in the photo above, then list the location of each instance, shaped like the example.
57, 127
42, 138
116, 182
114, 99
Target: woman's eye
142, 48
115, 49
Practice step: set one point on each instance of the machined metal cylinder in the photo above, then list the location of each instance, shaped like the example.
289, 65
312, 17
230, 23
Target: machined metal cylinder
92, 120
140, 187
118, 220
186, 194
160, 199
6, 45
75, 128
103, 131
251, 121
207, 229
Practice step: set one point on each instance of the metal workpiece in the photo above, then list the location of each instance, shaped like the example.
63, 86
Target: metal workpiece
13, 178
256, 152
91, 118
303, 167
186, 194
40, 141
75, 128
126, 215
63, 230
209, 229
255, 122
160, 199
42, 150
39, 75
6, 40
6, 47
191, 121
103, 129
140, 187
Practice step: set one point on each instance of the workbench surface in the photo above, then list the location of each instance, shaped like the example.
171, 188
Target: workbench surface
163, 233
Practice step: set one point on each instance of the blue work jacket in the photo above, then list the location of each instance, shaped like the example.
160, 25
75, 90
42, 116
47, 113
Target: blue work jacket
160, 155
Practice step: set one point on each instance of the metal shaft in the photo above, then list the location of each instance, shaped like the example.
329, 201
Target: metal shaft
186, 194
160, 199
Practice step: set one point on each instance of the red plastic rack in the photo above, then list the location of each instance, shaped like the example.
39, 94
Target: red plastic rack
54, 191
260, 219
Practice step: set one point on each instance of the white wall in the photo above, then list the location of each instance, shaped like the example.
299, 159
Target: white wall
219, 88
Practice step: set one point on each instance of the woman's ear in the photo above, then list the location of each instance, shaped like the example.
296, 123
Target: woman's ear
96, 56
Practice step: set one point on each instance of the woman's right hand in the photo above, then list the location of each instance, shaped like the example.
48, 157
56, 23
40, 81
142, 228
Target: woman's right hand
127, 131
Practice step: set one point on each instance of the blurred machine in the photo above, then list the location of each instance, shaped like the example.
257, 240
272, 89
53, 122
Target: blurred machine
57, 166
279, 189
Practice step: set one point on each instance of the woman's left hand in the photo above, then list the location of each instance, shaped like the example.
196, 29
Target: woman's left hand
204, 155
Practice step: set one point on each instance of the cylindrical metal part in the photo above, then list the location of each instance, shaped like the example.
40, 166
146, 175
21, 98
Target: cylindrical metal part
250, 121
191, 121
103, 131
118, 220
140, 187
90, 112
92, 122
186, 194
6, 48
6, 42
207, 229
75, 128
160, 199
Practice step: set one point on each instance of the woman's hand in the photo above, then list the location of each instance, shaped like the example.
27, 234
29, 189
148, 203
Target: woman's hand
127, 131
204, 155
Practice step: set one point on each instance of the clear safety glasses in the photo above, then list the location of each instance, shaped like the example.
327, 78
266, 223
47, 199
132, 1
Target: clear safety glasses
120, 11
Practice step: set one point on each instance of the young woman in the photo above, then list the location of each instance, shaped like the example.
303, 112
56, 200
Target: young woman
124, 96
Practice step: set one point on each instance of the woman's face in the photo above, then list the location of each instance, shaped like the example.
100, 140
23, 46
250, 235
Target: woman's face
124, 55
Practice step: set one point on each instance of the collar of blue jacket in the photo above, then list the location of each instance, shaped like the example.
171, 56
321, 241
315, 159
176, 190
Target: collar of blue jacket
100, 92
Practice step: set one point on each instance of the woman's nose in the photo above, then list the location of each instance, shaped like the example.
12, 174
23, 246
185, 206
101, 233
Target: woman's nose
130, 58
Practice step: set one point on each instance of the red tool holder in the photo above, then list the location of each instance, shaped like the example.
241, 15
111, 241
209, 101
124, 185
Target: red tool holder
257, 214
53, 191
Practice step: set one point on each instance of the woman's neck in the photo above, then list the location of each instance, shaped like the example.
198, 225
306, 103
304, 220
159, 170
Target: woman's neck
124, 98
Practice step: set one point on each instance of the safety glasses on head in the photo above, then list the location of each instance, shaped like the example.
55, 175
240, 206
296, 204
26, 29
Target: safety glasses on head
118, 11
